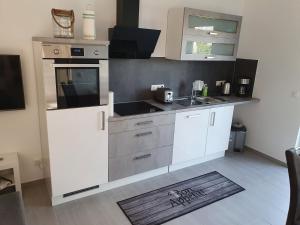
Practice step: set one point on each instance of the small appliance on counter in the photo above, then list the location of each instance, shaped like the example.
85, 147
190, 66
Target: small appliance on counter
226, 89
243, 88
164, 95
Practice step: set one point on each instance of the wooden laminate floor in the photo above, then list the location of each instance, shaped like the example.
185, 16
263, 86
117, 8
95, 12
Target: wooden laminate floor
265, 201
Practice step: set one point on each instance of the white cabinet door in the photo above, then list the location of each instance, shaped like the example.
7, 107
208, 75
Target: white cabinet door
219, 129
190, 135
78, 146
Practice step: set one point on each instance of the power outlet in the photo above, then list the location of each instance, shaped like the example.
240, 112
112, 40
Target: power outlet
220, 83
156, 86
38, 163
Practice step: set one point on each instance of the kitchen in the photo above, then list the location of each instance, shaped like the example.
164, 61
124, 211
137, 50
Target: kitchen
145, 132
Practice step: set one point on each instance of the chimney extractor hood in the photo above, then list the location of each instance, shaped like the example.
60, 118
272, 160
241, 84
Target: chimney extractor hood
126, 39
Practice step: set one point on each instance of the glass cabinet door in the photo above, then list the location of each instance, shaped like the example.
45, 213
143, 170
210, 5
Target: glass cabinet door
209, 50
211, 24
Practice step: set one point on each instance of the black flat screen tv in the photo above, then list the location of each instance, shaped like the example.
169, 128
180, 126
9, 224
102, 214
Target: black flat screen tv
11, 84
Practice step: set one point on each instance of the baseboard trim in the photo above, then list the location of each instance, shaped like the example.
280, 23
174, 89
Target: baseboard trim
265, 156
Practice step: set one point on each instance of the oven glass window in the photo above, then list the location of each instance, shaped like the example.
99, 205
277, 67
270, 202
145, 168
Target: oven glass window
77, 87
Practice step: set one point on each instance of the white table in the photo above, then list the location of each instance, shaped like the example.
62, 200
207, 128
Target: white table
11, 161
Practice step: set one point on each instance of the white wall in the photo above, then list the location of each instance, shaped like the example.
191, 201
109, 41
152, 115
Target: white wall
270, 33
20, 20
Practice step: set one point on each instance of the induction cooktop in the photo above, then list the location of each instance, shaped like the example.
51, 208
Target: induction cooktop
135, 108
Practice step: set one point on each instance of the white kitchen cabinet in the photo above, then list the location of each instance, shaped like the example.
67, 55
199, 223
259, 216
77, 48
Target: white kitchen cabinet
190, 135
218, 133
194, 34
78, 148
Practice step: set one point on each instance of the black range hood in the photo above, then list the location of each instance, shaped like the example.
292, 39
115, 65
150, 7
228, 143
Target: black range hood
126, 39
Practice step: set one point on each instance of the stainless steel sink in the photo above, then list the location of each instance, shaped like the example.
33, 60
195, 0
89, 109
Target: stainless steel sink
198, 101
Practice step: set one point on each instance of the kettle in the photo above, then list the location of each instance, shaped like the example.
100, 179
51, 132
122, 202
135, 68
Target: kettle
226, 88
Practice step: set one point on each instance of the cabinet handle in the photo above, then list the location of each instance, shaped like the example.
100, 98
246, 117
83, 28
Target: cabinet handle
101, 118
144, 123
193, 116
212, 119
210, 57
1, 158
142, 157
213, 33
143, 134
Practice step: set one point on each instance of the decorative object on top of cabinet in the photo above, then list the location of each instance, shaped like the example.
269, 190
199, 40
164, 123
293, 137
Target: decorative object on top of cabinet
194, 34
63, 23
89, 26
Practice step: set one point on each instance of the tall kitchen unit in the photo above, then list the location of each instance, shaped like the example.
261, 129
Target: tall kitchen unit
72, 82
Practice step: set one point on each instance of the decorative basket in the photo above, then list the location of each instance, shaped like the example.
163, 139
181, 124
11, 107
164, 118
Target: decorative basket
63, 23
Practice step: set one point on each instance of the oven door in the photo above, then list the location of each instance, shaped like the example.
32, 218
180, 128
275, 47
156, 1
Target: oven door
74, 85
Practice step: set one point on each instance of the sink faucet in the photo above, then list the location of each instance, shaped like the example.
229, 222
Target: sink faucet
197, 87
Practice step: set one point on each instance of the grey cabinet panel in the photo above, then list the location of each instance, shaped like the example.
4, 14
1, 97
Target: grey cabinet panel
121, 144
130, 165
140, 123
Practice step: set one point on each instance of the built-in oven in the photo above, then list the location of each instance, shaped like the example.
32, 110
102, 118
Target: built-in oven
75, 76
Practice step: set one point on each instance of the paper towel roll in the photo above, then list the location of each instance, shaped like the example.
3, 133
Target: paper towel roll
111, 103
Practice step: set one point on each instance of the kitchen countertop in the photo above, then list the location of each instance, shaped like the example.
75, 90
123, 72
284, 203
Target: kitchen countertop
176, 108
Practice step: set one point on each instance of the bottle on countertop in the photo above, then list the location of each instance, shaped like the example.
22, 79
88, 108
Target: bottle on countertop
205, 91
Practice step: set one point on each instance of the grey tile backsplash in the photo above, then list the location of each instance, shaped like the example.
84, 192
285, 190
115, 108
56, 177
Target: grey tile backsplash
131, 79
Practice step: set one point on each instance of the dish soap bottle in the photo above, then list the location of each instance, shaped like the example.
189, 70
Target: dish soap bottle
205, 91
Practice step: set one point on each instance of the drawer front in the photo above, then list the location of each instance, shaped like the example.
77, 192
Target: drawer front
130, 165
126, 143
140, 123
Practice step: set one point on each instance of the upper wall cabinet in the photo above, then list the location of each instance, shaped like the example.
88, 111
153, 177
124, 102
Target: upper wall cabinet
194, 34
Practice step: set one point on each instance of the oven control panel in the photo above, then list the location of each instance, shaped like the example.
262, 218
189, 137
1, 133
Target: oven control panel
56, 51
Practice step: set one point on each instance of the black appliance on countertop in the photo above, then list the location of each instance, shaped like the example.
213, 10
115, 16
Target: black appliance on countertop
135, 108
164, 95
127, 40
244, 87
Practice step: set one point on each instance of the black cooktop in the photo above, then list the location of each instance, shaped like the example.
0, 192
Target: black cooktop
135, 108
